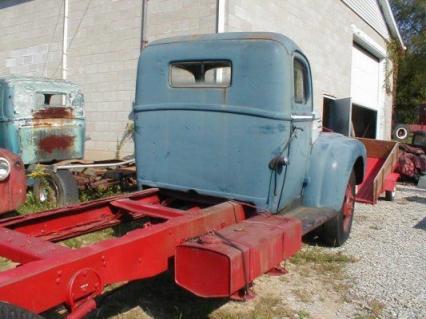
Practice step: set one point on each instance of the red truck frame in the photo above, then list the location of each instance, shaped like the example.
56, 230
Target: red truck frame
204, 236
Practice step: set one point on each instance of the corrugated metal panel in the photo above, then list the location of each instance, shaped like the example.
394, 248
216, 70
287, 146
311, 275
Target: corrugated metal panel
369, 10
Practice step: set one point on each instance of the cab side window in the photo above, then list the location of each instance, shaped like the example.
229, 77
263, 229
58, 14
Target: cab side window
301, 82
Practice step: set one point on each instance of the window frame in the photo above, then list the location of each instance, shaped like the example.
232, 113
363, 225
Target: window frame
198, 86
307, 104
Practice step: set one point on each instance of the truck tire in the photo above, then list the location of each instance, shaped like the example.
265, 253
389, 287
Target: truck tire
8, 311
335, 232
401, 132
58, 189
390, 195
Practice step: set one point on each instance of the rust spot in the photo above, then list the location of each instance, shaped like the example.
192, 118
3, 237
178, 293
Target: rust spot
53, 142
54, 113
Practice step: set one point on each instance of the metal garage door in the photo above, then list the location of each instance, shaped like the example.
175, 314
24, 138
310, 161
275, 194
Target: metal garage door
365, 78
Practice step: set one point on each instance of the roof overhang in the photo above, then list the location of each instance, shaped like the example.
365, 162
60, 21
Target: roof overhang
390, 21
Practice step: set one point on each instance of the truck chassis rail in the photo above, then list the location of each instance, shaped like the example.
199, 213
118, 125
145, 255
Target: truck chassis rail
51, 274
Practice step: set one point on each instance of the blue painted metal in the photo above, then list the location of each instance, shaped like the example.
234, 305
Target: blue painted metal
332, 160
220, 140
38, 132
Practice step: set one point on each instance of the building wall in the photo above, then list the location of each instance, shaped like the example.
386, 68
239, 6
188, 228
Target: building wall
168, 18
105, 42
31, 38
324, 34
104, 46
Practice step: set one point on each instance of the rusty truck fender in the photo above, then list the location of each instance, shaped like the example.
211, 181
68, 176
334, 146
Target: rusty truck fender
333, 157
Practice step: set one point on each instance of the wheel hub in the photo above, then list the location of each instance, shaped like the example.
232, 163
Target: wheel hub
348, 207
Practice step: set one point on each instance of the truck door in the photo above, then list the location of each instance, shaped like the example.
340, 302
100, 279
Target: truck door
300, 132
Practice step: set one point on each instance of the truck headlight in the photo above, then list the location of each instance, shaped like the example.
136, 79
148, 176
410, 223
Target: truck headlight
4, 169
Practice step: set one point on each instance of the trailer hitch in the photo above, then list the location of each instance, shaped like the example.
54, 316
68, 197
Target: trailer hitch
83, 287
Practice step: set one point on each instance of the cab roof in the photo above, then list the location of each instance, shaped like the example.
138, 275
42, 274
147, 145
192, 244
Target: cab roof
271, 36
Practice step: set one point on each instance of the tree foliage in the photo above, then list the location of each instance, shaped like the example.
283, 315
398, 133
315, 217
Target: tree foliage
411, 83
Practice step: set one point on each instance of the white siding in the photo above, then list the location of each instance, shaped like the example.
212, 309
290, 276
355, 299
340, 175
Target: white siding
369, 10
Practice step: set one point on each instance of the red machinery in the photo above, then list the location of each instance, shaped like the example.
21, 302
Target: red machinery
402, 131
13, 184
380, 176
237, 242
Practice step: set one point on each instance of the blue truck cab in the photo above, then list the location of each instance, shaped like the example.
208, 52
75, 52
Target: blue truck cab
231, 115
41, 120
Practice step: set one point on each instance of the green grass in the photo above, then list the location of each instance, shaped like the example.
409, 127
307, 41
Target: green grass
323, 260
31, 205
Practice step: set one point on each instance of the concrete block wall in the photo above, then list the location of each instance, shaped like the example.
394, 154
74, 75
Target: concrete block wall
168, 18
104, 47
31, 36
323, 31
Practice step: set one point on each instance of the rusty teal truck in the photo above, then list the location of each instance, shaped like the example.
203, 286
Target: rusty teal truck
231, 115
42, 121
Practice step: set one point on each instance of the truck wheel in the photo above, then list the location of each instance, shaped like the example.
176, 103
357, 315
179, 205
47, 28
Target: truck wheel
390, 195
8, 311
401, 132
336, 231
57, 189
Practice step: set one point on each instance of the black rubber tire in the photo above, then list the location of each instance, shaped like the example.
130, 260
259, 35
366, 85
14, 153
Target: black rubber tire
8, 311
390, 196
332, 233
60, 186
401, 132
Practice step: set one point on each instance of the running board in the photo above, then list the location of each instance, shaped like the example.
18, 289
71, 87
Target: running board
311, 217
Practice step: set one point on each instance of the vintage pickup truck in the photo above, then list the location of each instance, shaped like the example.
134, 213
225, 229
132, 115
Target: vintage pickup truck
235, 172
42, 120
13, 184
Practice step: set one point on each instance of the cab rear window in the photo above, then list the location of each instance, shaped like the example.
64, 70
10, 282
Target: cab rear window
200, 74
50, 99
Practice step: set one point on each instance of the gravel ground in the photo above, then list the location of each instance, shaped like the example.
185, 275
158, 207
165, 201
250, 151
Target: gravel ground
384, 277
390, 241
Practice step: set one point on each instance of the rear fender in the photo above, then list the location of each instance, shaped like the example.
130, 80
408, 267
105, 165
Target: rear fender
333, 158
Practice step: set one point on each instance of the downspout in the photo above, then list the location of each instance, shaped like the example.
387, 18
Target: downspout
220, 28
220, 16
144, 42
65, 41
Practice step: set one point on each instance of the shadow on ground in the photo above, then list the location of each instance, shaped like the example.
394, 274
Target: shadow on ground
421, 224
416, 199
158, 297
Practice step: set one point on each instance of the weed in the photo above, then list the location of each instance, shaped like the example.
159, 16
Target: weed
97, 193
303, 295
127, 136
267, 307
32, 205
376, 307
319, 256
303, 314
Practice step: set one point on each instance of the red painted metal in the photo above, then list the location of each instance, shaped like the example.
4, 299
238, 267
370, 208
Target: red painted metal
222, 263
51, 274
390, 182
219, 246
13, 189
380, 176
348, 207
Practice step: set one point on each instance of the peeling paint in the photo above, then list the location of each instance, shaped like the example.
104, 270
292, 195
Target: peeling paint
42, 120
